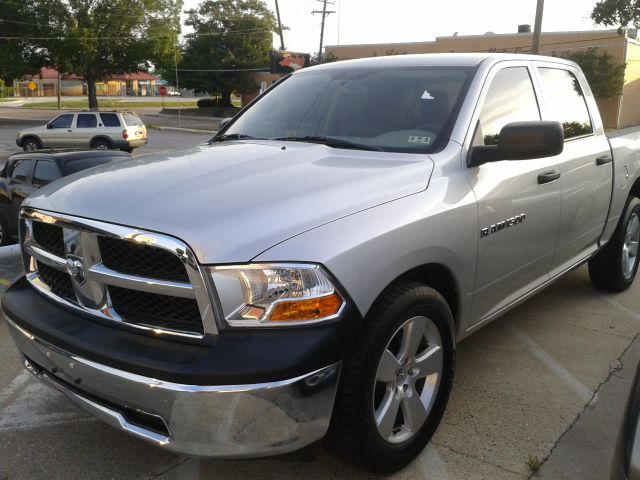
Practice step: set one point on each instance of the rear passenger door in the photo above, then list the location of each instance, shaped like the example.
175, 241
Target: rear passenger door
110, 125
586, 165
518, 209
46, 172
86, 129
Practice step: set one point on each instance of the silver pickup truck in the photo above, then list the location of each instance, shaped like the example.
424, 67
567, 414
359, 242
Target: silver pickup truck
309, 271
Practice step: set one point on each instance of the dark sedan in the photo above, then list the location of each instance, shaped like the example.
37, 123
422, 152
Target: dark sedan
23, 173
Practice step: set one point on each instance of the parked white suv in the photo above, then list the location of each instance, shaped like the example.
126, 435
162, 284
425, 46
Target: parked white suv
102, 130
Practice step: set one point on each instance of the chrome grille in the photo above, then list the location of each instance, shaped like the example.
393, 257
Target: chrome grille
142, 279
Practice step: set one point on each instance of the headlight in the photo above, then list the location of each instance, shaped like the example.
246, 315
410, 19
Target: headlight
275, 294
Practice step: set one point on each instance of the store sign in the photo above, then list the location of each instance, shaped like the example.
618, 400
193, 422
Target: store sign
287, 62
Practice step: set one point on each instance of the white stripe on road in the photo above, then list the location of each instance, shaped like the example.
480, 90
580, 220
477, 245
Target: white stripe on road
562, 373
621, 307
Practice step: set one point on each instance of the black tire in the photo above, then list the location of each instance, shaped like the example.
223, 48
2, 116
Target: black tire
127, 149
354, 431
606, 269
30, 144
4, 233
101, 144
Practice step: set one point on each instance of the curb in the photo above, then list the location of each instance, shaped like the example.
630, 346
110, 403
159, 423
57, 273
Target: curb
9, 251
179, 129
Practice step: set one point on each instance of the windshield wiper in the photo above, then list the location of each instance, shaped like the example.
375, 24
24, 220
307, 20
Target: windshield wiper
331, 142
234, 136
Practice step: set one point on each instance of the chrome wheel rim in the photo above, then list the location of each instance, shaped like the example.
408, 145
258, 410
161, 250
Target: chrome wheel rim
31, 146
630, 246
102, 146
407, 379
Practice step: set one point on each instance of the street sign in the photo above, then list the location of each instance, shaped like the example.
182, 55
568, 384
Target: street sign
163, 90
32, 86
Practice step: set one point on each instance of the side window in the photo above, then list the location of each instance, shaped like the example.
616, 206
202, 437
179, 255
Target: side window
109, 119
86, 120
63, 121
510, 98
45, 173
22, 170
565, 101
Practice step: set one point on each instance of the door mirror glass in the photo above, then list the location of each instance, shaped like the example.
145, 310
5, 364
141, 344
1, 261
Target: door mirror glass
49, 126
521, 141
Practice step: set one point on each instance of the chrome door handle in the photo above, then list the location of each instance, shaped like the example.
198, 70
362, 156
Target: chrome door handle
547, 177
603, 160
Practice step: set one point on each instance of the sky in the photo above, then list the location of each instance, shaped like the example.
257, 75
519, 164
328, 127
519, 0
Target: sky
377, 21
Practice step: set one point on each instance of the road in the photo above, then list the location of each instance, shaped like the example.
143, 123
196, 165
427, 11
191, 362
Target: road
546, 382
158, 139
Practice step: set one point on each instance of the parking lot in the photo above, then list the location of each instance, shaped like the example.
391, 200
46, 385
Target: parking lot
543, 386
545, 383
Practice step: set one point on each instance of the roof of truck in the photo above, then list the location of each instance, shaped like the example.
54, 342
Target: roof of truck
439, 59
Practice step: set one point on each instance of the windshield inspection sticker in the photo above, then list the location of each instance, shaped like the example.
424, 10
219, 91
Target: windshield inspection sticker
419, 139
426, 95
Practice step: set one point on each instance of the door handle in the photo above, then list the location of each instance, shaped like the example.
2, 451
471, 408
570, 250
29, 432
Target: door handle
68, 130
603, 160
547, 177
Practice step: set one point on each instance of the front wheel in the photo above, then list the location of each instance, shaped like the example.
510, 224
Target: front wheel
31, 144
396, 381
614, 267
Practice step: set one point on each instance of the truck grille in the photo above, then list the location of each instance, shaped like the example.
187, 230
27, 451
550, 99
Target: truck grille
141, 279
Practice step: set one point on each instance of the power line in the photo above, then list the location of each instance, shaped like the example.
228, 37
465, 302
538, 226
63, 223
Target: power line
324, 13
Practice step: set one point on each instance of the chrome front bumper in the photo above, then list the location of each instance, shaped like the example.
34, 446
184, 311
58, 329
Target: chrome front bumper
230, 421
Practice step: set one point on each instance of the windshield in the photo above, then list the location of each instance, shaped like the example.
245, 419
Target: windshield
411, 109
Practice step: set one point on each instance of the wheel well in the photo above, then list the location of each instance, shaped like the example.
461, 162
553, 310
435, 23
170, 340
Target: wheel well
439, 278
635, 188
29, 137
104, 139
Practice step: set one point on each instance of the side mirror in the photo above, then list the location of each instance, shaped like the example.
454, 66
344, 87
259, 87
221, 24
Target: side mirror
521, 141
49, 126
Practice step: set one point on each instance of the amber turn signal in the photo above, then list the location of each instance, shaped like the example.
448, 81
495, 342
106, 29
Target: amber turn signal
302, 310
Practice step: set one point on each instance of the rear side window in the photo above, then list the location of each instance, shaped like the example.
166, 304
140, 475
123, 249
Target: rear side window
21, 170
73, 166
131, 119
63, 121
86, 120
565, 101
110, 120
45, 173
510, 98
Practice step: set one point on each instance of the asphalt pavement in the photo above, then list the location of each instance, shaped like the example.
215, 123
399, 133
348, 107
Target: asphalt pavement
545, 384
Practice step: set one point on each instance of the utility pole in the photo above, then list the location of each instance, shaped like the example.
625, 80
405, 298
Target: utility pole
279, 26
324, 14
535, 44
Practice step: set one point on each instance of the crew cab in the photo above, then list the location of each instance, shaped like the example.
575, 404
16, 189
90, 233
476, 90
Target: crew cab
308, 272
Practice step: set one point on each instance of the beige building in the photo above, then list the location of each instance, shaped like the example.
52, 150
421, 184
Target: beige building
618, 112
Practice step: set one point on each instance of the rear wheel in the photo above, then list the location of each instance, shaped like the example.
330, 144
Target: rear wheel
101, 144
396, 382
31, 144
615, 266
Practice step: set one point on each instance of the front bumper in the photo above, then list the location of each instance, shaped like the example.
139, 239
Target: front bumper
228, 421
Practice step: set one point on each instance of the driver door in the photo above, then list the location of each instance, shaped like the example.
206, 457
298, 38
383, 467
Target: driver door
59, 131
518, 202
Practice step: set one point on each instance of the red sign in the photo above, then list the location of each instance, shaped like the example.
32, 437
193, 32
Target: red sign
163, 90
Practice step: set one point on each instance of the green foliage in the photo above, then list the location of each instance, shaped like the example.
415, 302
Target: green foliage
99, 38
18, 55
208, 102
620, 13
228, 35
4, 90
605, 78
326, 58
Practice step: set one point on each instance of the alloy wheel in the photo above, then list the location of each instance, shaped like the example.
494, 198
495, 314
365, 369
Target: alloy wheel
407, 379
630, 246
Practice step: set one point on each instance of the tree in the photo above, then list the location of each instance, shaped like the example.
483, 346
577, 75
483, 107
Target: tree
620, 13
229, 35
100, 38
18, 55
605, 78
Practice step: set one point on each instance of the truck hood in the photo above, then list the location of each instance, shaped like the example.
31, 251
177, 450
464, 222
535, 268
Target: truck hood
231, 201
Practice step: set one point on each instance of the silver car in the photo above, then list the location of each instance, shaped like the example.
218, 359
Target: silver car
101, 130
